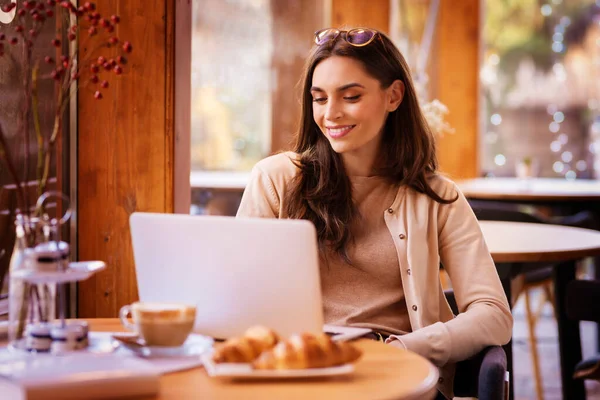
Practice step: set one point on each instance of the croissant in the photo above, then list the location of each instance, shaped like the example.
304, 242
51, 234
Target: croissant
246, 348
307, 351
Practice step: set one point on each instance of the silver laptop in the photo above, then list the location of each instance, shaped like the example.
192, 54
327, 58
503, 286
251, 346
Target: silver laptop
239, 272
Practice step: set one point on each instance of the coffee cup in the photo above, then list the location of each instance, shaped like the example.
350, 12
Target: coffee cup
159, 324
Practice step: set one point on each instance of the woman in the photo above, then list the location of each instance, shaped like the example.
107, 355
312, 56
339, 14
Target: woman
364, 172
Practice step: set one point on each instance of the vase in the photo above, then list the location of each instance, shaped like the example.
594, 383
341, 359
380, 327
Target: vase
30, 304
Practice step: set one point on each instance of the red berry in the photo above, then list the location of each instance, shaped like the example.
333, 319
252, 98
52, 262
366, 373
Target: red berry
110, 29
29, 4
51, 3
50, 13
19, 28
66, 64
29, 43
65, 4
39, 18
71, 36
118, 70
127, 47
2, 36
55, 42
107, 66
55, 75
74, 28
104, 22
113, 40
115, 19
41, 6
94, 79
22, 12
92, 31
14, 40
98, 95
104, 84
96, 15
8, 7
49, 60
32, 33
121, 60
101, 60
89, 6
94, 69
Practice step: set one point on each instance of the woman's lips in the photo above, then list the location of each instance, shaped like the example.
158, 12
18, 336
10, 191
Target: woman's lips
339, 131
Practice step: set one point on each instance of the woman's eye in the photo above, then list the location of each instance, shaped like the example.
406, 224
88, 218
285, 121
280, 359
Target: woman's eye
320, 100
352, 98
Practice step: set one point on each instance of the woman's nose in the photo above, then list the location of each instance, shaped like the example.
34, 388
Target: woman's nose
333, 111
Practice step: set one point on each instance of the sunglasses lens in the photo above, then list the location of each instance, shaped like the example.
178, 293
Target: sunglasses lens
325, 36
359, 36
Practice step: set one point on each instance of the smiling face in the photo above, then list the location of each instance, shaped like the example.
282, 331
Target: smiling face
350, 106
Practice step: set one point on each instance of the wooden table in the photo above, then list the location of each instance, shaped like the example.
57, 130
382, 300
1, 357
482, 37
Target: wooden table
383, 372
514, 243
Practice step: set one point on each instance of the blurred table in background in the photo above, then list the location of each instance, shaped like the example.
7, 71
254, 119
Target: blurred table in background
217, 192
534, 190
513, 244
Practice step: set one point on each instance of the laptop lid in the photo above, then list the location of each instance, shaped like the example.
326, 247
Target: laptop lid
237, 271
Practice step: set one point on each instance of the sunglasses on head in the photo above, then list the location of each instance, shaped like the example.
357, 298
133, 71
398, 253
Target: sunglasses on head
357, 37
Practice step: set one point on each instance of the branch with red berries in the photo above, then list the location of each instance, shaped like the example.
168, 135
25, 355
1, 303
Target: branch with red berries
83, 27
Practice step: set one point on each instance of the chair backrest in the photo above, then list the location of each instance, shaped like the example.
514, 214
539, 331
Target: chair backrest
496, 211
483, 375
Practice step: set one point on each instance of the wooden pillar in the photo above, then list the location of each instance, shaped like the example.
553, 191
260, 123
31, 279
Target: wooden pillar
456, 84
294, 25
354, 13
125, 152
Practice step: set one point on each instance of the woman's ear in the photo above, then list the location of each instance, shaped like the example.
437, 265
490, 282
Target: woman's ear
395, 95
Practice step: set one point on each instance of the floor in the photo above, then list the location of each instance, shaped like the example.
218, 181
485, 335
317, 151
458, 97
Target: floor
547, 335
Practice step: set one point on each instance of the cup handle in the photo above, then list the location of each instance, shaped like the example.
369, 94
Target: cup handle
123, 313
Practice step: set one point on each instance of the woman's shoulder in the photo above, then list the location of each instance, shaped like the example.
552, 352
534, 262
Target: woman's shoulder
279, 167
440, 184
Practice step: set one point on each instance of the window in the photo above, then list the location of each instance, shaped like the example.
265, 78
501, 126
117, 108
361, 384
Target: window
540, 83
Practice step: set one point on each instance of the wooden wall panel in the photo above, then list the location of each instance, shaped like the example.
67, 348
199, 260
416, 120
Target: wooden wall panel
354, 13
125, 153
456, 83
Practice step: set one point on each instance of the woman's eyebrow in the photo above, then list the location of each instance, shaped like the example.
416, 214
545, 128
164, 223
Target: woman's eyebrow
340, 89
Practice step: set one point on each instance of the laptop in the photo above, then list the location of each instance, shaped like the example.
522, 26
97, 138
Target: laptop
239, 272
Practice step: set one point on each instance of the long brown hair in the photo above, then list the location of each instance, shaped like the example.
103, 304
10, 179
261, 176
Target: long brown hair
321, 191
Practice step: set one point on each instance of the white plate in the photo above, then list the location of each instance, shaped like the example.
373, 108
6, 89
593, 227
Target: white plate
245, 371
77, 271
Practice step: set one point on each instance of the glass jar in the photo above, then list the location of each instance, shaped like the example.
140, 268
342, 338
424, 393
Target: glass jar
30, 304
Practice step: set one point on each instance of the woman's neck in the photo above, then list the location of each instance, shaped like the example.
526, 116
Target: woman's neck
362, 161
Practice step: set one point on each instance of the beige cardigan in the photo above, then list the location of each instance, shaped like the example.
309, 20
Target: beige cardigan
425, 233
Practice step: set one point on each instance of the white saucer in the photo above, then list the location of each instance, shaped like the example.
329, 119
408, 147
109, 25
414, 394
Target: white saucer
194, 346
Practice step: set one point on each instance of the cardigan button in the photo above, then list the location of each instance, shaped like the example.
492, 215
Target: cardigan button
402, 236
390, 210
414, 308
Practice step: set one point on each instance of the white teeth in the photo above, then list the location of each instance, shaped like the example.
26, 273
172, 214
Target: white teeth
340, 130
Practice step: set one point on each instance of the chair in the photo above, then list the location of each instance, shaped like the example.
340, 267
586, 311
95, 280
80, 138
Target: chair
483, 375
537, 275
583, 304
